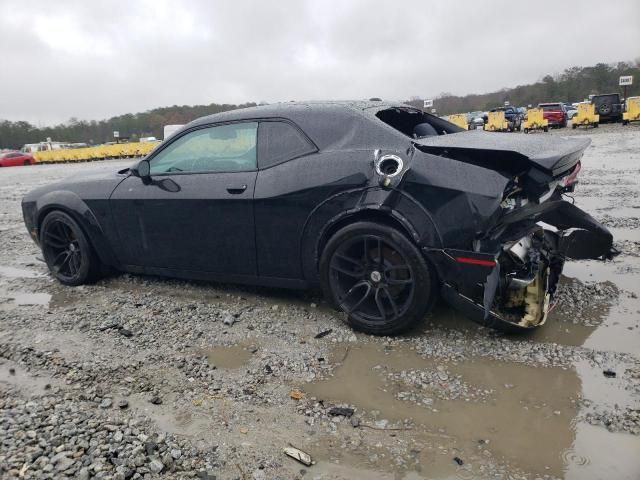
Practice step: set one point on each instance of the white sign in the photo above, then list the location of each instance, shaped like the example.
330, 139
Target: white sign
116, 134
428, 103
506, 104
433, 110
626, 80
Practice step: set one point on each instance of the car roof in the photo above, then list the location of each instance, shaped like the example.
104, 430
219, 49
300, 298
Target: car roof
333, 123
285, 109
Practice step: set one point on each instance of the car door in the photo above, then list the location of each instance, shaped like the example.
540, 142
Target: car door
195, 211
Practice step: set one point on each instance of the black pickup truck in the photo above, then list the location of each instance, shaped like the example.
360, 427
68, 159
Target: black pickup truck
511, 115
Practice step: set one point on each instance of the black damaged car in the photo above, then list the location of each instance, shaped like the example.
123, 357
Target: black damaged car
384, 206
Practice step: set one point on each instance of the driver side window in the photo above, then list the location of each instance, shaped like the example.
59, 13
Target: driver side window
225, 148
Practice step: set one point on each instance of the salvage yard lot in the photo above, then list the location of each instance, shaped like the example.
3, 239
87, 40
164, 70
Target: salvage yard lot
141, 374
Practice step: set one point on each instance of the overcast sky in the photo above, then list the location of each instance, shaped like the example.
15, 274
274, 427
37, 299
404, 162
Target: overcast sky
98, 58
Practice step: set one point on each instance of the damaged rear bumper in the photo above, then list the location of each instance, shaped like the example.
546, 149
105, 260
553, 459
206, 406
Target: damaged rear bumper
510, 278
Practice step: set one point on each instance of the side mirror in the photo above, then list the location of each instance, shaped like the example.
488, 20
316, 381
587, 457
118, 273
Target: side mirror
143, 170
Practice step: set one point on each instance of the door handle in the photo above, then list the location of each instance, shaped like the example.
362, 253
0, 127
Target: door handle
235, 190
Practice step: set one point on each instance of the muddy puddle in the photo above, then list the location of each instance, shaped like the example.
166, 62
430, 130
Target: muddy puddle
187, 421
622, 272
16, 376
14, 272
10, 300
229, 357
521, 415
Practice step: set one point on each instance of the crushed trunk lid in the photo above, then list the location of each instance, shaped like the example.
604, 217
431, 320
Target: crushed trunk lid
551, 154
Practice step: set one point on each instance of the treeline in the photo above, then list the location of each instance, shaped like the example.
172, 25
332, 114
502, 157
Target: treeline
573, 85
132, 125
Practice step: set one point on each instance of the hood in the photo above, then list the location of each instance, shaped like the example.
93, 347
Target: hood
554, 155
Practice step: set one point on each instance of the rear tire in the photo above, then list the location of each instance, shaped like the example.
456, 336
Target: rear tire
67, 251
378, 277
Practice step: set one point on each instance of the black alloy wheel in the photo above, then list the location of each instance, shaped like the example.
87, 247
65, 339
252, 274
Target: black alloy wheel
66, 250
378, 277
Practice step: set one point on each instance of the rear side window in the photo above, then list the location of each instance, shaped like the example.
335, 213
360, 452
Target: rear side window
415, 123
279, 142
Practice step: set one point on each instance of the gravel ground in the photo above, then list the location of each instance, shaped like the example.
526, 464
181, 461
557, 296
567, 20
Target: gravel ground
144, 377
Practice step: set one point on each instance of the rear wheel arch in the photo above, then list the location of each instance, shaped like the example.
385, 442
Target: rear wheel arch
366, 215
393, 208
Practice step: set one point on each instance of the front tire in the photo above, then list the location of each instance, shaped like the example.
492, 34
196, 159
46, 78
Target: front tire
378, 277
67, 251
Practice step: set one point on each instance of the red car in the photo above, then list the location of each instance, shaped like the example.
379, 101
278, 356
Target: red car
14, 159
556, 113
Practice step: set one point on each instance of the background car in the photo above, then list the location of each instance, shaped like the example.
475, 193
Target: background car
555, 113
475, 119
14, 159
571, 110
608, 106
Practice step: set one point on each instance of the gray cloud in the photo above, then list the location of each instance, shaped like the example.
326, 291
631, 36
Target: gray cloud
92, 60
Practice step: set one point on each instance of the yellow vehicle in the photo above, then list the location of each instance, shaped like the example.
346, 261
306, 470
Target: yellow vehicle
496, 122
459, 119
632, 113
535, 120
100, 152
586, 116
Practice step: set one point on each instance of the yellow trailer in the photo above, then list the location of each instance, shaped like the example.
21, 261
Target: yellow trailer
586, 116
459, 119
633, 111
496, 122
100, 152
535, 121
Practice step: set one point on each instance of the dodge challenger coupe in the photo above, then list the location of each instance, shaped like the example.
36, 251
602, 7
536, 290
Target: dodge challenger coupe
383, 206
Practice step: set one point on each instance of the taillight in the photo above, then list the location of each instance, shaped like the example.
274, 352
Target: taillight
572, 179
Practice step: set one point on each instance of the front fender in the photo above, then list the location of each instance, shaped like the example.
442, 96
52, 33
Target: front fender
70, 203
